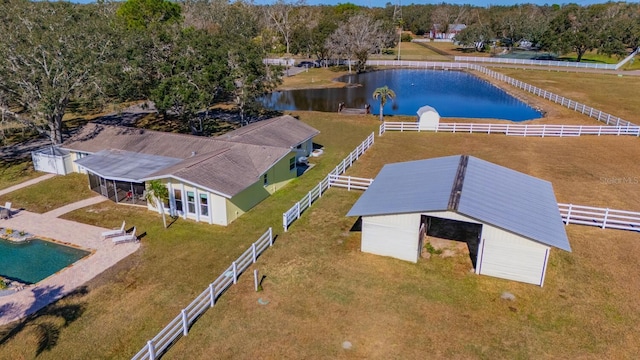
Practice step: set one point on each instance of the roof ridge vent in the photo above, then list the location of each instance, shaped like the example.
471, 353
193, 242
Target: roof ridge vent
458, 181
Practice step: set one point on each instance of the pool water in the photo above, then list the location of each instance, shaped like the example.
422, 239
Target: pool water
34, 260
452, 93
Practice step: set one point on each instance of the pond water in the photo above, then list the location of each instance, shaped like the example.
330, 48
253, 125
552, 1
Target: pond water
451, 93
33, 260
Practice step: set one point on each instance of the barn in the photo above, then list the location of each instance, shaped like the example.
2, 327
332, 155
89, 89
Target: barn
428, 118
509, 220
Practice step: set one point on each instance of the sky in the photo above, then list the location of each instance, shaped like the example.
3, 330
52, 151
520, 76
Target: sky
382, 3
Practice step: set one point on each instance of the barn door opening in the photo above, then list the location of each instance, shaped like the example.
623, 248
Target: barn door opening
455, 230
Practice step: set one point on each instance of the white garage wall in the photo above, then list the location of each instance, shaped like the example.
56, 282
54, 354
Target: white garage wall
391, 235
508, 256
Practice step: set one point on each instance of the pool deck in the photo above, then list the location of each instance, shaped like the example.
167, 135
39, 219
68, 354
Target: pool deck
105, 254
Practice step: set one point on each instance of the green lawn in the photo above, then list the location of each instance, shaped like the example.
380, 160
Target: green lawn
15, 172
51, 194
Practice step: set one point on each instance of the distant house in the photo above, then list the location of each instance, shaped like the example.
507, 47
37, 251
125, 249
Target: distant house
213, 180
437, 31
509, 220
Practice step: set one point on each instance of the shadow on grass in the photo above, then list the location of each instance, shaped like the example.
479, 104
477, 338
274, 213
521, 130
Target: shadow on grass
45, 321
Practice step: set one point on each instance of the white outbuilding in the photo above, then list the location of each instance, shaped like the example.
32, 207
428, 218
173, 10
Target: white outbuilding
53, 160
508, 219
428, 118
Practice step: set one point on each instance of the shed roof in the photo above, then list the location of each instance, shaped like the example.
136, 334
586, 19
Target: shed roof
490, 193
283, 131
425, 109
124, 165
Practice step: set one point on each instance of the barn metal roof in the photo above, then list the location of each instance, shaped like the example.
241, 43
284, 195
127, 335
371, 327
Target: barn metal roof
124, 165
490, 193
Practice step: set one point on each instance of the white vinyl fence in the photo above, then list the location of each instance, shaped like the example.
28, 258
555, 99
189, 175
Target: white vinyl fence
601, 217
568, 64
180, 325
298, 208
568, 103
279, 61
517, 129
349, 182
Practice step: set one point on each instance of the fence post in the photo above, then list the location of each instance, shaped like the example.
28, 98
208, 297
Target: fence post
298, 210
284, 221
569, 214
270, 236
310, 201
212, 295
253, 252
151, 350
235, 273
606, 215
255, 279
185, 323
348, 183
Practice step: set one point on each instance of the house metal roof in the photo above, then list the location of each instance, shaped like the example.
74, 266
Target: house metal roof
124, 165
490, 193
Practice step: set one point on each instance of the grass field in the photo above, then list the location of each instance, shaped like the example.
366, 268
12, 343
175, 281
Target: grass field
322, 290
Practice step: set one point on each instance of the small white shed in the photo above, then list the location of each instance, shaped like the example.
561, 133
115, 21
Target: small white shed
52, 160
428, 118
509, 220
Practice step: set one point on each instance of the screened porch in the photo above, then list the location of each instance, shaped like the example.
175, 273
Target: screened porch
119, 191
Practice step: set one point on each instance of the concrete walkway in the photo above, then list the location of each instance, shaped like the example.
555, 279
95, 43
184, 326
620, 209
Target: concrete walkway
105, 254
74, 206
26, 183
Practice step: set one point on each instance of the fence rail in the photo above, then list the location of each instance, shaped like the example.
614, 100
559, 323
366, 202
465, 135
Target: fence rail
568, 103
278, 61
180, 325
298, 208
601, 217
517, 129
568, 64
349, 182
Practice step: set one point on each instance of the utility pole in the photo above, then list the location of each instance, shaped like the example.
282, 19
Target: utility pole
397, 16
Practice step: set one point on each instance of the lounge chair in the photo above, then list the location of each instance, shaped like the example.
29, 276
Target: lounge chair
126, 237
114, 233
5, 212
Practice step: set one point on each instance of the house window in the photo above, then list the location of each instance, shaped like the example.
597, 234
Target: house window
265, 180
204, 205
292, 163
177, 194
299, 147
191, 202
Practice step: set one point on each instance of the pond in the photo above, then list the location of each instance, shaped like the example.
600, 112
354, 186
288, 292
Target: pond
451, 93
33, 260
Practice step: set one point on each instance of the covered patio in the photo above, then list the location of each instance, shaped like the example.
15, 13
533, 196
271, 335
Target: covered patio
116, 174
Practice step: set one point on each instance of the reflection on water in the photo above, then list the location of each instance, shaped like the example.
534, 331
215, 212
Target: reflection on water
451, 93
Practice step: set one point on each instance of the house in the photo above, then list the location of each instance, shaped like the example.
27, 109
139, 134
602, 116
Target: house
213, 180
428, 118
438, 32
509, 220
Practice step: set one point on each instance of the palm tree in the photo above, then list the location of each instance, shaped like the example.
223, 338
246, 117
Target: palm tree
158, 193
383, 93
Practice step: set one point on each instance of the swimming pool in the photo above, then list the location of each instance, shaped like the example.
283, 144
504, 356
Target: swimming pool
33, 260
452, 93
